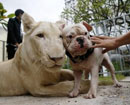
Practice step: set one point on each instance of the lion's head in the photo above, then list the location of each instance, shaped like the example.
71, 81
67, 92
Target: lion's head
43, 42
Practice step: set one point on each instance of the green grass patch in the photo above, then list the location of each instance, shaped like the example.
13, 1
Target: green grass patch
108, 80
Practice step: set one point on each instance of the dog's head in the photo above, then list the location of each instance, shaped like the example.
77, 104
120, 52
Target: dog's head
77, 39
43, 42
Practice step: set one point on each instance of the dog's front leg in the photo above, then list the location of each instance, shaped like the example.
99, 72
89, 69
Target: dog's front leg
77, 79
93, 84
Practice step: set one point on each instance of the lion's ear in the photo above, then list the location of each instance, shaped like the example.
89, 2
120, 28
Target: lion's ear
28, 22
89, 27
61, 24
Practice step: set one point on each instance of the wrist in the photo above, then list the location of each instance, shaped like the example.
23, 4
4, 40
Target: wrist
118, 42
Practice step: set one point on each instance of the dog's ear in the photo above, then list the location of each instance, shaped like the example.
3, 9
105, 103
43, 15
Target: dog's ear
89, 27
28, 22
61, 24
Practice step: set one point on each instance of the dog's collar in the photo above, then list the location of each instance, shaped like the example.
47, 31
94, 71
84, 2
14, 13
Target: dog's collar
80, 58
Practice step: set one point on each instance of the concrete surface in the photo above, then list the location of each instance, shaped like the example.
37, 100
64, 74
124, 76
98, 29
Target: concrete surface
107, 95
127, 79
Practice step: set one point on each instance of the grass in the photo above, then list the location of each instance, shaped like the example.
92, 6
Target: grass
108, 80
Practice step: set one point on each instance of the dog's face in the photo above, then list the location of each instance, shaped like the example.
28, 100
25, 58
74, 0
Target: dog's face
77, 39
43, 42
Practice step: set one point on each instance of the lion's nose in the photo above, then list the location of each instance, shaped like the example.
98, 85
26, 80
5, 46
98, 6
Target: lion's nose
56, 58
80, 40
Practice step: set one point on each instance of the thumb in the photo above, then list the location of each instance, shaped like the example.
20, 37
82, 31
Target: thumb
96, 46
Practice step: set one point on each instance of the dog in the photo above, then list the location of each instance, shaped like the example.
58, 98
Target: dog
77, 41
36, 68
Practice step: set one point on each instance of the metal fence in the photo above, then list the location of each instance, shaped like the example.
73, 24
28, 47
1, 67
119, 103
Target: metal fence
115, 27
112, 27
3, 54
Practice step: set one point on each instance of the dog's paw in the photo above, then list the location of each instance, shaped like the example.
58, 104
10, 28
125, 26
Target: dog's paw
74, 93
117, 85
90, 95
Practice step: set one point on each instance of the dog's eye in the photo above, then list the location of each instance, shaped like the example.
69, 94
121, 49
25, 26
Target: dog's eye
61, 36
85, 33
40, 35
70, 36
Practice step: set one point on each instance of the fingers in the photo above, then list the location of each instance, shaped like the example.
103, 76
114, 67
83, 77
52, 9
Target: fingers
96, 46
101, 37
102, 42
96, 41
100, 46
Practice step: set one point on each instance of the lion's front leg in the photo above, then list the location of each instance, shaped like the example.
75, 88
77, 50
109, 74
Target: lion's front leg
66, 74
59, 89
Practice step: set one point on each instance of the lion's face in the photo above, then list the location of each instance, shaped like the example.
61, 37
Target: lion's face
43, 42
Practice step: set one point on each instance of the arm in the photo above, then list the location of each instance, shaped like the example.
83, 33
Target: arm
110, 43
122, 40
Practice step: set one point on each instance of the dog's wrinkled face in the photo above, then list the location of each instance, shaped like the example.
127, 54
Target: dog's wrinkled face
43, 42
77, 38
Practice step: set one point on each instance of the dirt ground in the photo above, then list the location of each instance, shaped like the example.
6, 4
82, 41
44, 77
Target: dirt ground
107, 95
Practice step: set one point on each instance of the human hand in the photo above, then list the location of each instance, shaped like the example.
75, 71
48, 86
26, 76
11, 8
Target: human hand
17, 44
106, 42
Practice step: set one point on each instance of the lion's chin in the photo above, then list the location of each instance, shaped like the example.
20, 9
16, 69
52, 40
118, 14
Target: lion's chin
57, 66
54, 66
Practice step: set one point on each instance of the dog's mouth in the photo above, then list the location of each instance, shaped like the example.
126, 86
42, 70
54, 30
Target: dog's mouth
79, 50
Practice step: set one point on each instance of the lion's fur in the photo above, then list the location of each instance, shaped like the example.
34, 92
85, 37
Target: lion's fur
31, 70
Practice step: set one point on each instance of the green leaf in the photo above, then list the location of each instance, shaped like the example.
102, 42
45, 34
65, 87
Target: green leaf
3, 17
1, 6
4, 10
10, 15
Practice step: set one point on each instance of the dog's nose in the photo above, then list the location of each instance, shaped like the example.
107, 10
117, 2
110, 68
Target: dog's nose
80, 40
56, 58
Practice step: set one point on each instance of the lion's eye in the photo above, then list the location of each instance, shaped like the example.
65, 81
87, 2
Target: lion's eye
40, 35
61, 36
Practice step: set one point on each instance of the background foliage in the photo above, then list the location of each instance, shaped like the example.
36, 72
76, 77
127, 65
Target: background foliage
3, 16
96, 10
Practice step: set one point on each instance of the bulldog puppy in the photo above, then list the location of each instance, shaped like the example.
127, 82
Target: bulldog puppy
78, 44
